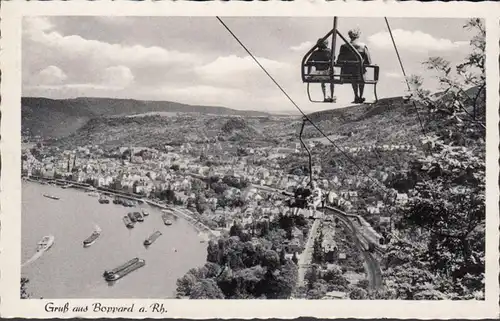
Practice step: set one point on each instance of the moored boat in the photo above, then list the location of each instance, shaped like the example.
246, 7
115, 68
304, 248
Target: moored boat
51, 196
45, 243
138, 217
128, 222
166, 219
144, 212
138, 263
121, 267
132, 217
103, 199
152, 238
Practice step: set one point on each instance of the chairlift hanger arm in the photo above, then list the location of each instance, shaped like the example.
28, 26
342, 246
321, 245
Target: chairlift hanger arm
304, 120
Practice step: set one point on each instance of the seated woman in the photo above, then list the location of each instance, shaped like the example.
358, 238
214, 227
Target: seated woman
351, 68
321, 59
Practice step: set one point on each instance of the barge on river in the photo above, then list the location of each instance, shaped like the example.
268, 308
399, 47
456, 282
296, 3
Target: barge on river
51, 196
124, 269
138, 217
132, 217
128, 222
153, 237
92, 238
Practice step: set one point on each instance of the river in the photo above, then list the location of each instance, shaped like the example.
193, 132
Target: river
68, 270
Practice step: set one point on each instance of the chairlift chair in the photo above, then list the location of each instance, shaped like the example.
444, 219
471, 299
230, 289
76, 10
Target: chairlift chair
336, 74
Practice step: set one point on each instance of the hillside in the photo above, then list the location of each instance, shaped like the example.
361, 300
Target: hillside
354, 126
61, 117
157, 130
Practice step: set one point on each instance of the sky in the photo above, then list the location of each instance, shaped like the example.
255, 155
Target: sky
194, 60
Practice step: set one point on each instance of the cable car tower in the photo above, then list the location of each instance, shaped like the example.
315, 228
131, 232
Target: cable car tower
337, 71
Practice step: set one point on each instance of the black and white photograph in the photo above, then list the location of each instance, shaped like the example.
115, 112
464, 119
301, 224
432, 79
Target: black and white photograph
162, 160
318, 158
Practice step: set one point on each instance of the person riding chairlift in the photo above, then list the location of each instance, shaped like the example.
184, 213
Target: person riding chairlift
323, 58
352, 70
301, 196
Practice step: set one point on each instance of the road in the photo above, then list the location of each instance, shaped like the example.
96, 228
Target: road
306, 255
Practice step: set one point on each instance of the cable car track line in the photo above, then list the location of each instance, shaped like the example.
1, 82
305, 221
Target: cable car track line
404, 73
299, 109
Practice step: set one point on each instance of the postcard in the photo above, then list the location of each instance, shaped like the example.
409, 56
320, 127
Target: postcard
249, 160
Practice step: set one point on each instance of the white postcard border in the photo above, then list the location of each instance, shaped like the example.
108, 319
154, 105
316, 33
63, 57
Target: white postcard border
12, 306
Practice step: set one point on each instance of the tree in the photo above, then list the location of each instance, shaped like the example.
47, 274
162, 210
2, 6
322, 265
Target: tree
206, 289
170, 195
236, 229
446, 207
363, 284
312, 276
271, 260
201, 203
283, 256
24, 290
358, 294
185, 284
318, 290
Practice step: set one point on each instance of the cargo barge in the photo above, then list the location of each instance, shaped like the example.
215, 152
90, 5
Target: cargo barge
132, 217
128, 222
153, 237
124, 269
121, 267
51, 196
138, 217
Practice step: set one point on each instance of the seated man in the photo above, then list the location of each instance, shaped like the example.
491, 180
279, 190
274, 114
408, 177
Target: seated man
322, 57
346, 56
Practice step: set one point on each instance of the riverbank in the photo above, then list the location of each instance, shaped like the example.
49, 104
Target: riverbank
199, 226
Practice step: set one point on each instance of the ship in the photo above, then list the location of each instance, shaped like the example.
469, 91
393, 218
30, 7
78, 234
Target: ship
45, 243
138, 217
51, 196
152, 238
144, 212
128, 222
121, 267
166, 219
103, 199
132, 217
128, 203
93, 194
125, 269
92, 238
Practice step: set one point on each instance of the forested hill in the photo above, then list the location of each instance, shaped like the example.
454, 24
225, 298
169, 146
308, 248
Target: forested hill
60, 117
